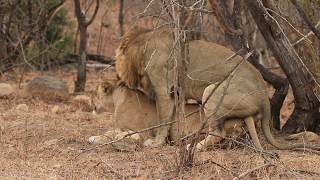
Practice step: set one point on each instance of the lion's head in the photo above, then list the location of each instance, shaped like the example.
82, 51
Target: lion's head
133, 55
130, 57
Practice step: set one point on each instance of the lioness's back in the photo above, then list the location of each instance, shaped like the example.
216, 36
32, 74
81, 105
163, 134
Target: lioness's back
135, 111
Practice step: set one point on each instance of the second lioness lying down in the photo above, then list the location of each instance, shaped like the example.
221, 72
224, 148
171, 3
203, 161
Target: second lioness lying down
133, 111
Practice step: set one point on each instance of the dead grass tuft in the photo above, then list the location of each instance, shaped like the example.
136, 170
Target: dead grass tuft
41, 144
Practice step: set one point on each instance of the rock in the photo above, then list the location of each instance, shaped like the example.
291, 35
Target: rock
48, 88
5, 89
306, 136
56, 109
22, 107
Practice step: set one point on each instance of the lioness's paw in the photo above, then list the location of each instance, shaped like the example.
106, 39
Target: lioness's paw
148, 143
134, 137
188, 147
153, 143
122, 134
200, 146
106, 137
95, 140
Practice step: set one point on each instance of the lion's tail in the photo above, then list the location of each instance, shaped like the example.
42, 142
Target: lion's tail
269, 136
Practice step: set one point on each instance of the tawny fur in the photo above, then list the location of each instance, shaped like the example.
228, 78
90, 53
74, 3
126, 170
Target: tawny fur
148, 55
133, 111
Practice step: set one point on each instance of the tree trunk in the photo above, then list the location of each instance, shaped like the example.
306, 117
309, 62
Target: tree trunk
306, 18
306, 103
120, 17
81, 75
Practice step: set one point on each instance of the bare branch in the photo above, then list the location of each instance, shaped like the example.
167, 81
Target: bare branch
94, 13
55, 7
252, 170
224, 22
306, 36
120, 17
306, 18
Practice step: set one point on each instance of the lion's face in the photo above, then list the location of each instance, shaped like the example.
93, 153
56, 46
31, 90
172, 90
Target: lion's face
102, 98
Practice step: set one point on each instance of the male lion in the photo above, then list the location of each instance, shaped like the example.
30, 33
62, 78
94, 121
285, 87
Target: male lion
134, 111
146, 56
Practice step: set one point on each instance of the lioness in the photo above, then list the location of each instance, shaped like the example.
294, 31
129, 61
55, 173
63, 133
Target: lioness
134, 111
144, 58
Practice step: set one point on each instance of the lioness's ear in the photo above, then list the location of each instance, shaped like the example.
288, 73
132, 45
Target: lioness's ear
107, 87
120, 83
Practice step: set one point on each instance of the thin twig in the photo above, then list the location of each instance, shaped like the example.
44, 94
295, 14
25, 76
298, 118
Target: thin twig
219, 165
285, 20
306, 35
94, 14
296, 54
111, 169
125, 136
306, 18
252, 170
302, 171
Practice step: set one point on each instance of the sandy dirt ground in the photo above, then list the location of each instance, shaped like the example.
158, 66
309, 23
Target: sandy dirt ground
36, 143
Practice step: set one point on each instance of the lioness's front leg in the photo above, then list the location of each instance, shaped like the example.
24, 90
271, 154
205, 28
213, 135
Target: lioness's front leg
106, 137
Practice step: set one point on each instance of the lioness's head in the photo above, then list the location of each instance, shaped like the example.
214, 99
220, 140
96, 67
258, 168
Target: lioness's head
102, 98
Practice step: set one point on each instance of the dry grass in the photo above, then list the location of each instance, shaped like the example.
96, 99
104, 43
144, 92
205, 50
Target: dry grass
39, 144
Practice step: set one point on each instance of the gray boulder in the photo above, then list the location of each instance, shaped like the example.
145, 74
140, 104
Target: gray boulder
5, 89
